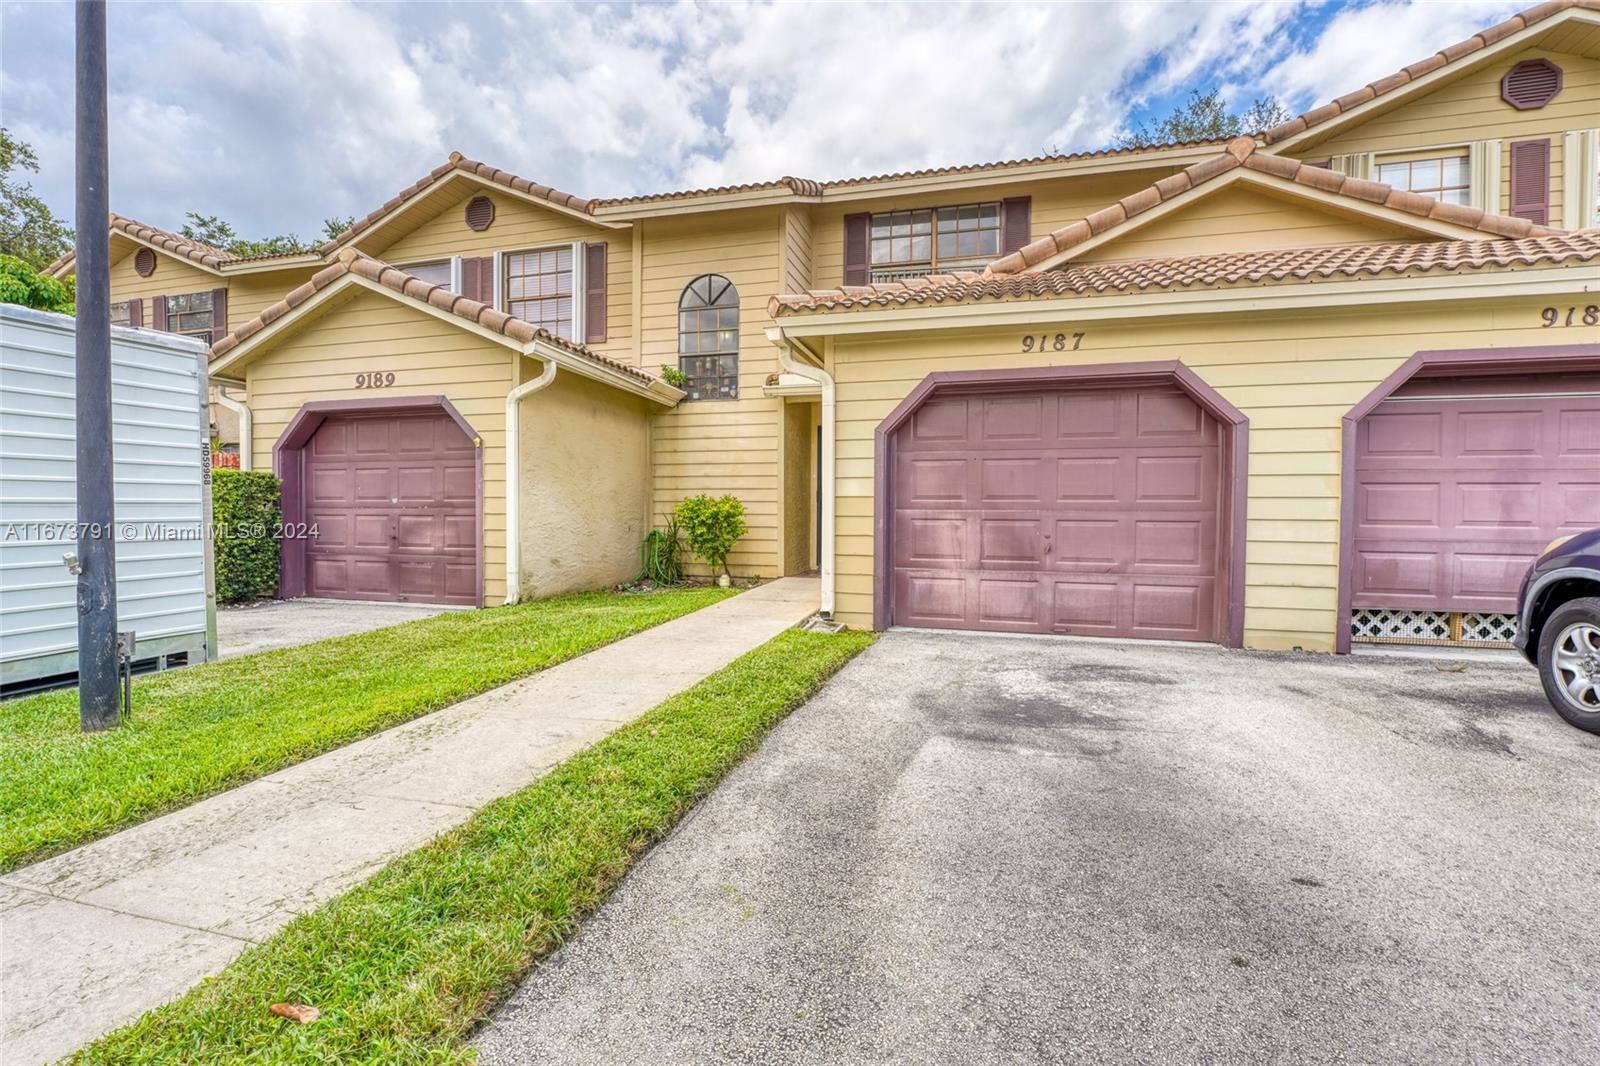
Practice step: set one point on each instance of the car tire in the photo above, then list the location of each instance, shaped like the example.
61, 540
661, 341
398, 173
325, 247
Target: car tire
1569, 662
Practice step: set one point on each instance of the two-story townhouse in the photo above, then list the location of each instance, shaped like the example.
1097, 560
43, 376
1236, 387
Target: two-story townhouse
1339, 379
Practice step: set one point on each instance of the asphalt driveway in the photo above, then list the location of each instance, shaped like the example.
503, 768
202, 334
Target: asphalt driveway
974, 849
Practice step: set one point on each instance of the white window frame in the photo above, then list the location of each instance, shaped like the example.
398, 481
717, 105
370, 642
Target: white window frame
1580, 174
453, 260
1429, 153
579, 287
1483, 167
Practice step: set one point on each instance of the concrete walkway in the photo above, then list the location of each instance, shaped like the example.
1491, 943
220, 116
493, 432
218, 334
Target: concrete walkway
91, 939
252, 627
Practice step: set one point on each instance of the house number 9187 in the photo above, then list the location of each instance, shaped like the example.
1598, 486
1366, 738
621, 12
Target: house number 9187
378, 379
1589, 316
1058, 342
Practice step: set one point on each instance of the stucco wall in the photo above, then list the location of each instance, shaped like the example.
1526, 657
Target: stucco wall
1294, 374
585, 477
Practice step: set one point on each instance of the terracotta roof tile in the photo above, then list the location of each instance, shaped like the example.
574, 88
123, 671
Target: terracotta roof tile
456, 162
1242, 152
1423, 67
1206, 271
350, 261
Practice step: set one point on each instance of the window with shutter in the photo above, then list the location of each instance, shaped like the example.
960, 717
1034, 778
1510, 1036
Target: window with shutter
1530, 181
933, 240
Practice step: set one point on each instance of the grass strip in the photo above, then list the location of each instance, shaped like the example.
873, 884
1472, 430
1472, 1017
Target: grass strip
404, 965
202, 729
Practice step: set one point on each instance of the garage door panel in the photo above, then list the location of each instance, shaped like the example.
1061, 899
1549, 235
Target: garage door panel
936, 600
394, 500
1011, 420
1508, 475
1008, 603
1121, 489
940, 420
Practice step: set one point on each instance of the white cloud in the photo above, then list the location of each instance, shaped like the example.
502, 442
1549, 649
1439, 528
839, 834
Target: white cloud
276, 115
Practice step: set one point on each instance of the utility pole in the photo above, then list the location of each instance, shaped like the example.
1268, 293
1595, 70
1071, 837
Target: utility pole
97, 550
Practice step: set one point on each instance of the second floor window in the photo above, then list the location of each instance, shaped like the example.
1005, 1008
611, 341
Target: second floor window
538, 288
121, 314
708, 338
915, 243
1447, 178
190, 314
438, 273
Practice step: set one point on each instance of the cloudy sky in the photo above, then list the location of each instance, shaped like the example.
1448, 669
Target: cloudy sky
276, 115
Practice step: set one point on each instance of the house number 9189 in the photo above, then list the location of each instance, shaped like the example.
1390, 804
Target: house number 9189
378, 379
1059, 342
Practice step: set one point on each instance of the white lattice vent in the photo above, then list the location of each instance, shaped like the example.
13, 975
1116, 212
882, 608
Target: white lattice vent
1376, 625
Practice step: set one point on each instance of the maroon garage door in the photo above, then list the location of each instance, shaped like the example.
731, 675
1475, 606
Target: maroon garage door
1088, 510
394, 502
1460, 483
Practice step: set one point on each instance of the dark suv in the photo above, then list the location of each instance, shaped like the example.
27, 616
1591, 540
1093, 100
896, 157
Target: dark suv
1558, 626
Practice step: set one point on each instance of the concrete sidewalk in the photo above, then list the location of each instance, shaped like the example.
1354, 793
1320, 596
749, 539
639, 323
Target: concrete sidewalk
95, 937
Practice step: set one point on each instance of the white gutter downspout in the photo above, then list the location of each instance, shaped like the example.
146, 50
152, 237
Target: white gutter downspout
247, 442
514, 476
787, 360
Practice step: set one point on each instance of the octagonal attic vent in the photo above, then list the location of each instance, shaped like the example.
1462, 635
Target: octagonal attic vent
1531, 84
480, 213
144, 262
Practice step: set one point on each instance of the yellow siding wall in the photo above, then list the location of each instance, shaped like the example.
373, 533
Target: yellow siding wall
797, 250
428, 357
718, 446
171, 277
1238, 219
1294, 374
250, 294
1471, 110
1055, 204
520, 225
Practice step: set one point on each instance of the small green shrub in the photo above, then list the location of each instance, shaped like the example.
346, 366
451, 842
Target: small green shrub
712, 526
661, 555
673, 376
21, 284
245, 512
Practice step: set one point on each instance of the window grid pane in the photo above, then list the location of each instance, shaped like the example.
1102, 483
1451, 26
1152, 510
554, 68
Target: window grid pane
539, 289
1446, 178
190, 314
708, 338
911, 243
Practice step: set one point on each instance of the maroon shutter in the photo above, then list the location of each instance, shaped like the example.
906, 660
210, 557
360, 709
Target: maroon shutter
136, 313
594, 293
857, 249
158, 314
1016, 223
1530, 180
219, 314
477, 279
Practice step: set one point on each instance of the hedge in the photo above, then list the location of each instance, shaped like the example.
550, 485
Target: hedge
246, 512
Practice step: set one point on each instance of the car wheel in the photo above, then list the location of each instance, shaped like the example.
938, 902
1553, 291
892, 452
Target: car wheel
1569, 662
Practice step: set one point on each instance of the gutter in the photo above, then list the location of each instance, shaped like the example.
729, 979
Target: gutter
812, 372
514, 476
242, 409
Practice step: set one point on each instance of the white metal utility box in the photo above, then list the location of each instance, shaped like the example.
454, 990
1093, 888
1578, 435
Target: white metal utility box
165, 588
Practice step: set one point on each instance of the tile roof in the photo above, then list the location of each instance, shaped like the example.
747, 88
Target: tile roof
350, 261
798, 186
1444, 57
1206, 271
175, 244
459, 162
1242, 152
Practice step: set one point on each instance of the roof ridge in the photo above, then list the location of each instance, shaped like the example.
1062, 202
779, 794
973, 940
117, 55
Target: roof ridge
1243, 152
352, 261
1214, 268
1423, 67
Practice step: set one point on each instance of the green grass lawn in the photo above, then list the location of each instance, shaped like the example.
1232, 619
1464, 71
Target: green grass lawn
404, 965
202, 729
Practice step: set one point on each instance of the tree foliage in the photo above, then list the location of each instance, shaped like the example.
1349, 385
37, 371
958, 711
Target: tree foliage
29, 230
1205, 117
21, 284
711, 526
219, 233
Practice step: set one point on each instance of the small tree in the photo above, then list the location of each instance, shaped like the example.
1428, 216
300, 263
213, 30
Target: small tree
21, 284
1205, 117
712, 526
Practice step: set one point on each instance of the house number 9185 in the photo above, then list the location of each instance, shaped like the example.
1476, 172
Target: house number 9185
378, 379
1058, 342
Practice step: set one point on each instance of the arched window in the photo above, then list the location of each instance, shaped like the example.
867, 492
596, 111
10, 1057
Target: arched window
708, 338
